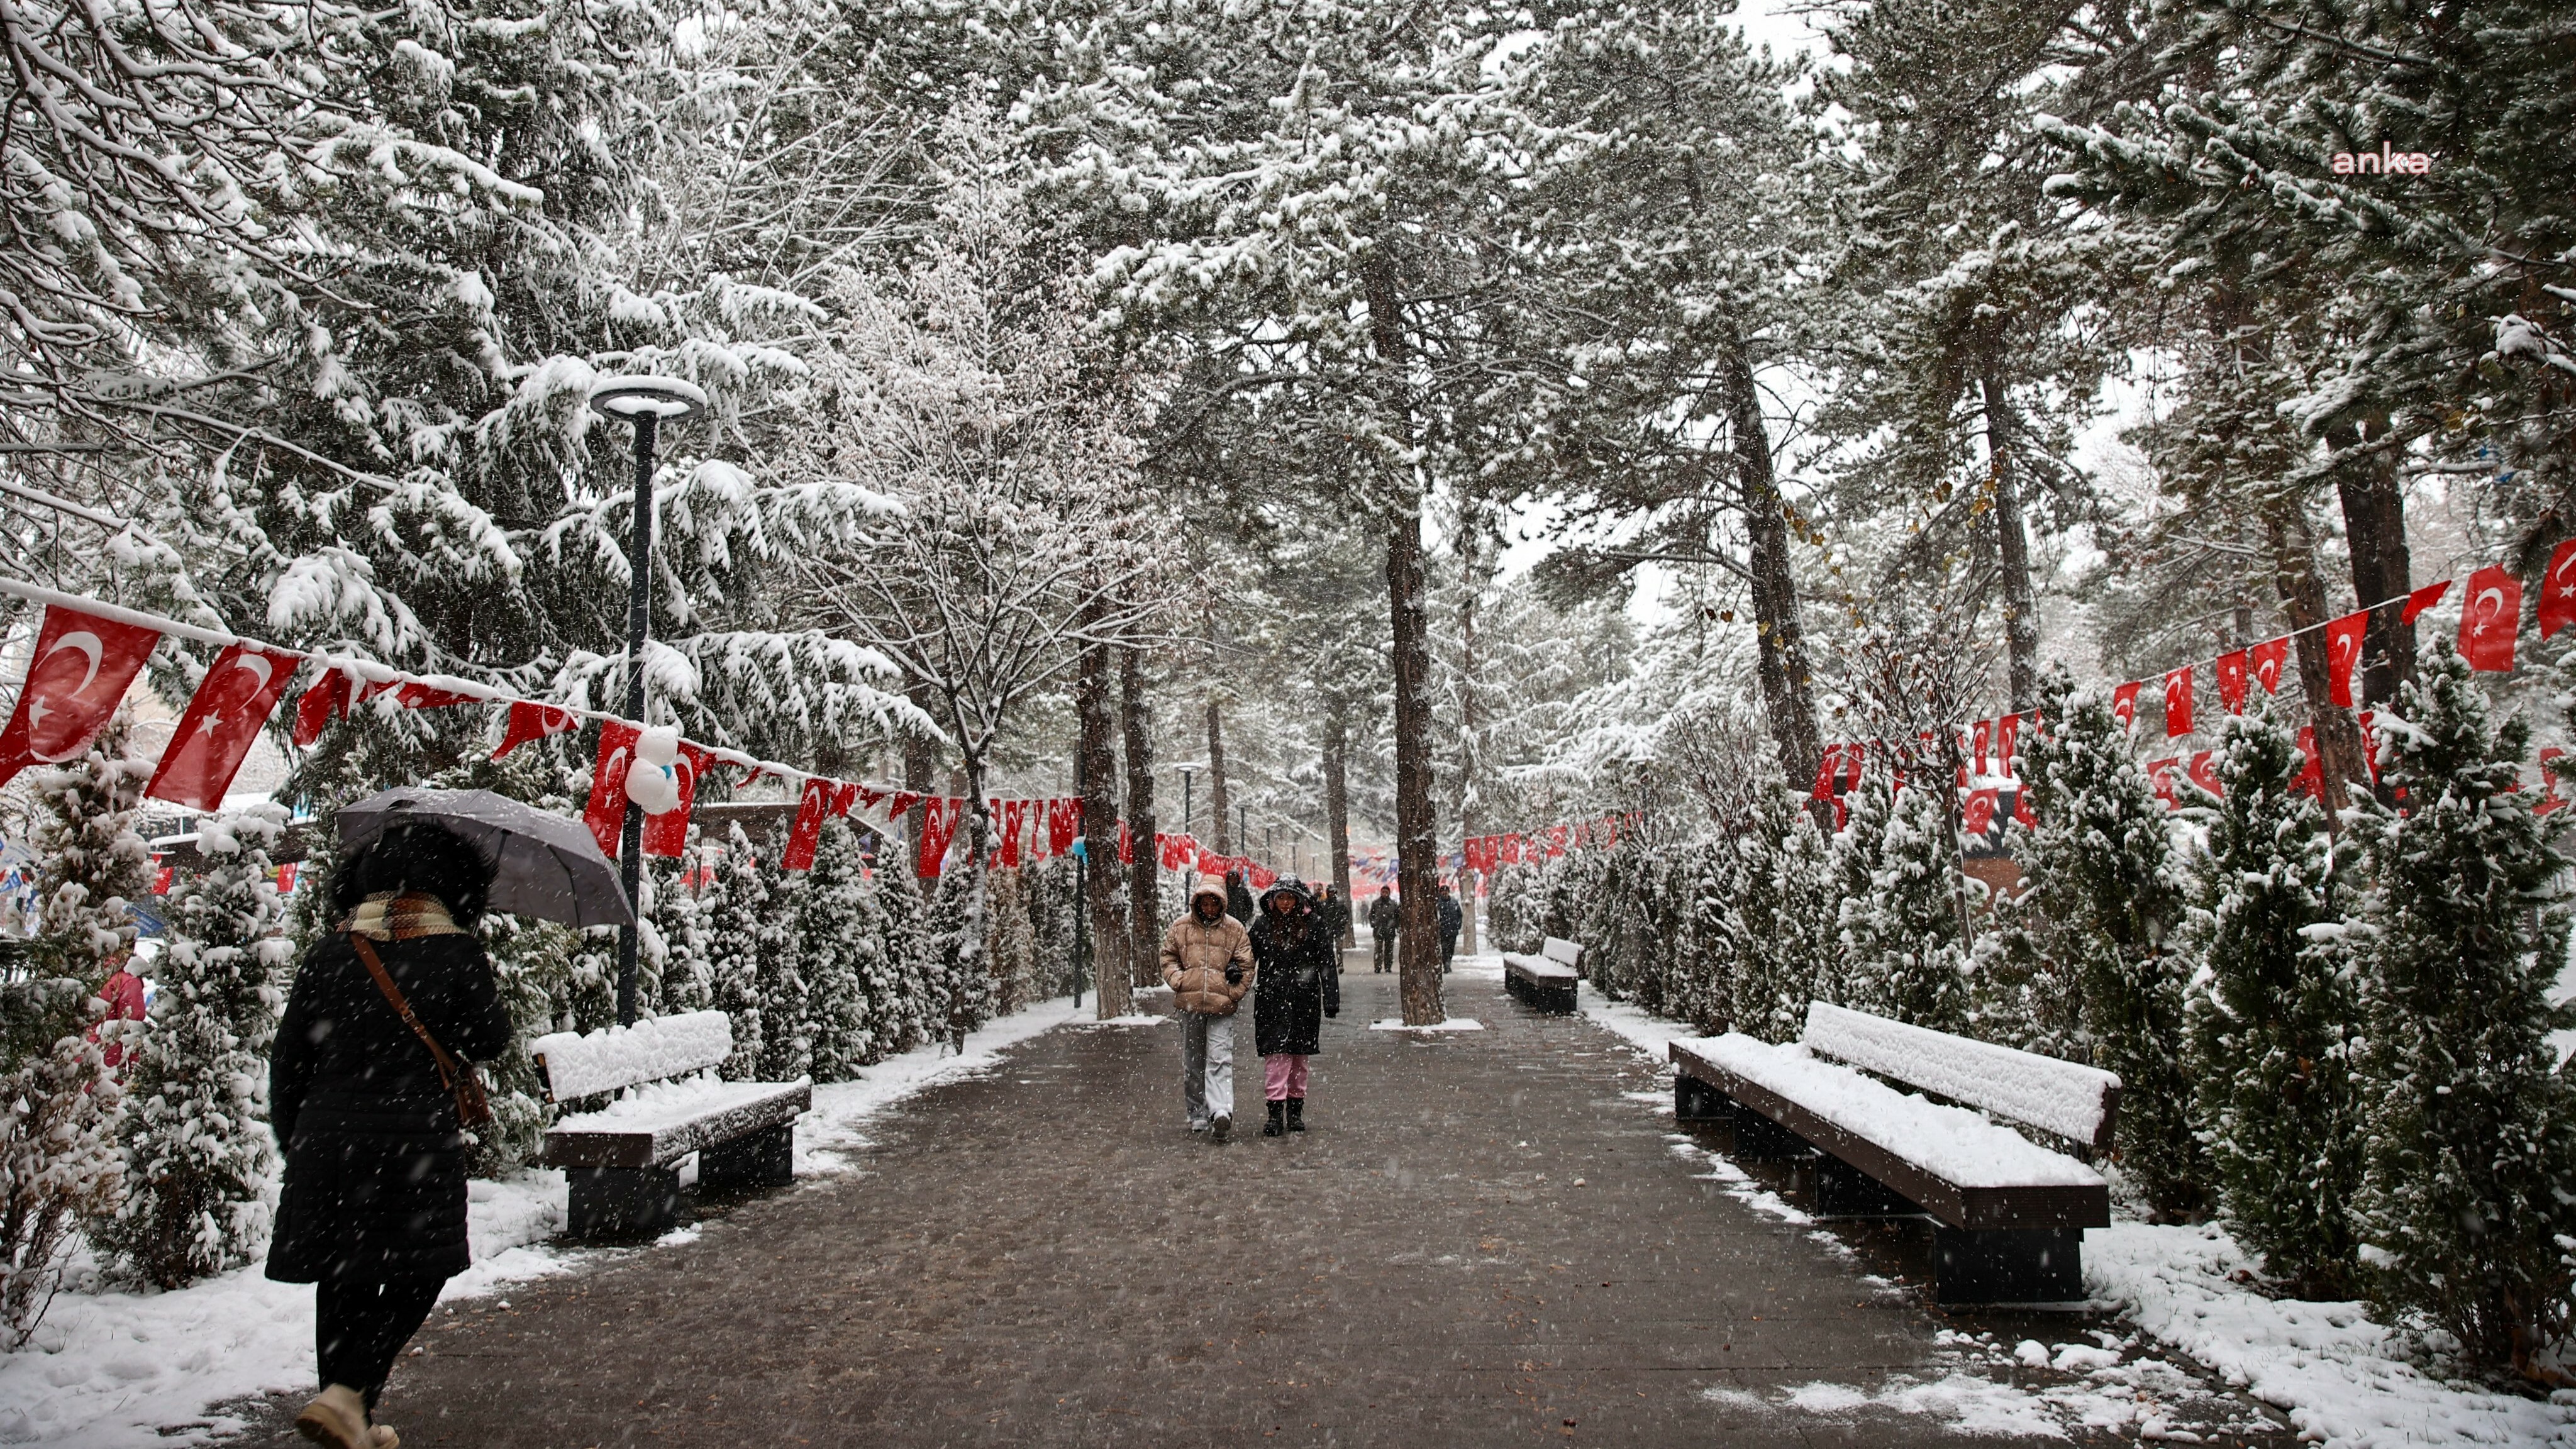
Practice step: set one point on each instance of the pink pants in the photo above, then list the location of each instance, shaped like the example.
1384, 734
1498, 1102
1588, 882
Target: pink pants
1283, 1075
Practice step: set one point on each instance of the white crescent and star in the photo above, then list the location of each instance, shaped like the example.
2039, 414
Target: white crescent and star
87, 643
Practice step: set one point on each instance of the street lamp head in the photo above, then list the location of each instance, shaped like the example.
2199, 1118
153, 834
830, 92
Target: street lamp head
635, 397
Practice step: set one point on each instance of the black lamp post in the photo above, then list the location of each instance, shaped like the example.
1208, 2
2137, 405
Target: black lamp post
645, 403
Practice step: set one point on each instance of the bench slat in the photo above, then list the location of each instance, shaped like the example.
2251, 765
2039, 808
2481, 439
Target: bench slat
579, 1064
2074, 1101
661, 1126
1559, 949
2059, 1195
1538, 967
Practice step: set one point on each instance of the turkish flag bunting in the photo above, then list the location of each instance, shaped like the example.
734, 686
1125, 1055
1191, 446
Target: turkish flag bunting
1555, 841
529, 721
939, 817
1011, 818
2343, 651
2021, 811
2312, 777
2268, 658
2490, 616
2124, 703
812, 804
222, 720
2007, 741
2204, 771
899, 804
667, 834
1829, 769
2550, 800
323, 701
75, 678
2230, 669
1063, 823
2558, 590
1854, 752
1126, 844
2370, 743
1981, 736
1210, 863
1259, 877
606, 812
1977, 811
2160, 774
2425, 598
2178, 703
1582, 834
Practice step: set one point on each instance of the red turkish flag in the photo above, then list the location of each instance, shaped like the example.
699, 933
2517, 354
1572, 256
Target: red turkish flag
75, 678
606, 812
2312, 778
813, 803
2268, 658
2558, 590
1011, 821
322, 701
2230, 669
939, 817
1981, 736
2550, 799
2178, 702
1063, 823
899, 804
2160, 774
2370, 742
1259, 877
667, 834
1854, 753
2490, 616
2204, 771
1209, 862
2124, 704
2007, 742
1555, 841
2021, 811
2343, 651
1829, 769
529, 722
1977, 812
1126, 844
2424, 598
222, 721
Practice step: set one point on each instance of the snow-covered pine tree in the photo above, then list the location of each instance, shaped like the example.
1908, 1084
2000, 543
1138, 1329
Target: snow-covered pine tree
834, 934
534, 965
2468, 1196
58, 1107
1847, 975
901, 977
1908, 943
786, 994
680, 980
2272, 1012
1796, 964
735, 908
2104, 894
195, 1140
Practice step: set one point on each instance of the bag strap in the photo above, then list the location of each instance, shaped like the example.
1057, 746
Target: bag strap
385, 983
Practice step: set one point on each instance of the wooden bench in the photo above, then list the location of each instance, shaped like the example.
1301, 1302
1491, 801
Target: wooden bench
1545, 982
623, 1160
2008, 1214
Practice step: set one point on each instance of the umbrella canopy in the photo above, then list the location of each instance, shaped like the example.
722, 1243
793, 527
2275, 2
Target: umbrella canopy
547, 865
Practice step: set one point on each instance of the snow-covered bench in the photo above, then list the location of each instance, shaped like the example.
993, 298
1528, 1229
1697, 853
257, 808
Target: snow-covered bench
623, 1161
2008, 1214
1545, 982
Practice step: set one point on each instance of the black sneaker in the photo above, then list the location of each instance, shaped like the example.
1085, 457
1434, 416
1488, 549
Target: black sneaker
1219, 1128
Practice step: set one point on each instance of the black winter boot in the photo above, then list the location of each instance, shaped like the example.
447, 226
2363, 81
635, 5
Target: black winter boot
1296, 1114
1271, 1127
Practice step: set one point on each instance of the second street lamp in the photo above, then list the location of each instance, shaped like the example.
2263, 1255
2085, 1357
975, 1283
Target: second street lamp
645, 403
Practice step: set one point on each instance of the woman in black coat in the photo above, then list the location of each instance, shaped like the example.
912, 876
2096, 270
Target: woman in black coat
372, 1206
1296, 983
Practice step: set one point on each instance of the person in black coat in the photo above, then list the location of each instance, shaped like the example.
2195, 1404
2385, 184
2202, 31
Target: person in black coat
1238, 897
1297, 982
1452, 920
372, 1205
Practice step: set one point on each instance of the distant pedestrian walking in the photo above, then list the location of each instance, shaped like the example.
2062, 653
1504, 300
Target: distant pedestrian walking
1300, 985
372, 1204
1207, 961
1386, 919
1334, 909
1238, 897
1452, 919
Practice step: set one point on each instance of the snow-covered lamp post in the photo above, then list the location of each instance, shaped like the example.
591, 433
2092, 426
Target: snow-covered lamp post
645, 403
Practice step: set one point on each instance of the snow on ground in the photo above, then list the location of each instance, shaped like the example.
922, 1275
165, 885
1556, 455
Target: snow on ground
2339, 1378
1454, 1023
110, 1368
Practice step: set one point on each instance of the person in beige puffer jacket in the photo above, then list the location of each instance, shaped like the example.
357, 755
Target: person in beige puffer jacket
1207, 961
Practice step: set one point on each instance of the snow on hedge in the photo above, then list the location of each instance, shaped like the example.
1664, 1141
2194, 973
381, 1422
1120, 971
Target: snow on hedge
2061, 1097
1953, 1143
581, 1063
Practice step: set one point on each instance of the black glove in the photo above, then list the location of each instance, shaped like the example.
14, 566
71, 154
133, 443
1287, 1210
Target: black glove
1233, 974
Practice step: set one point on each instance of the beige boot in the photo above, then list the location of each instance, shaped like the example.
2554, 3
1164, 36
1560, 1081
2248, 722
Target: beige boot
337, 1419
385, 1437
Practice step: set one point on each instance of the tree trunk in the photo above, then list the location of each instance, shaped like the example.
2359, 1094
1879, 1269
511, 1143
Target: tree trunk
1100, 873
1780, 654
1216, 776
919, 772
1470, 745
2303, 600
1337, 805
1417, 838
2374, 528
967, 986
1144, 906
2012, 541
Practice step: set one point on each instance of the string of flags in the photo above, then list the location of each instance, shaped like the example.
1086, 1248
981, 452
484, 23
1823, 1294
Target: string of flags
1481, 853
88, 652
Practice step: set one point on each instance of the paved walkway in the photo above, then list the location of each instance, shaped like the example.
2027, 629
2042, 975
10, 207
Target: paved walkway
1486, 1238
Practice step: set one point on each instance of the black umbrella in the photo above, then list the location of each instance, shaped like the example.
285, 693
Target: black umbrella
547, 866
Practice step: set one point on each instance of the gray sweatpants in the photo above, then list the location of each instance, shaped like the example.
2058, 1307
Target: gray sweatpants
1207, 1067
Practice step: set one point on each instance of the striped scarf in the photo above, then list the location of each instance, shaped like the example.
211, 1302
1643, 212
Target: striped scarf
387, 916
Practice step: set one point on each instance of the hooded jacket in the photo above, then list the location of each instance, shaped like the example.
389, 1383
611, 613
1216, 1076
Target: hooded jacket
1195, 955
1301, 974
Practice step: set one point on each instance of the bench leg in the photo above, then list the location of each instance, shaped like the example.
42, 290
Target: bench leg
2007, 1265
1557, 1000
1844, 1191
1759, 1139
766, 1158
623, 1202
1697, 1101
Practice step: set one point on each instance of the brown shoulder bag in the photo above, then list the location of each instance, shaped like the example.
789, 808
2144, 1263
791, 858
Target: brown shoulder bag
473, 1109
